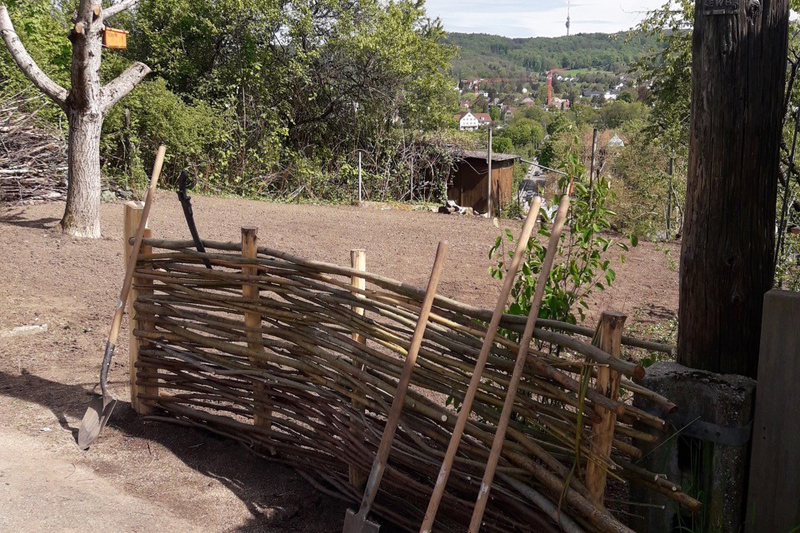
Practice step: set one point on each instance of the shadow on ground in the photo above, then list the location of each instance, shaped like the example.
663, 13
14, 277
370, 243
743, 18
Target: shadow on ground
277, 498
17, 219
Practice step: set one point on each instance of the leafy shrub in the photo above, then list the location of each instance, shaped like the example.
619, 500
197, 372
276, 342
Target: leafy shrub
581, 266
502, 145
195, 133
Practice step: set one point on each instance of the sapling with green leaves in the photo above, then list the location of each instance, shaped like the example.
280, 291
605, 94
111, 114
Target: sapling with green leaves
582, 265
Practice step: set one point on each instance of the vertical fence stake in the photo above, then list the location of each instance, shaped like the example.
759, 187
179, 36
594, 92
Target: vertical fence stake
489, 211
607, 383
262, 416
360, 182
133, 214
358, 261
591, 168
669, 198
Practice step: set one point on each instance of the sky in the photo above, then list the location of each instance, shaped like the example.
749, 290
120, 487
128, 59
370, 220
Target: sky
539, 18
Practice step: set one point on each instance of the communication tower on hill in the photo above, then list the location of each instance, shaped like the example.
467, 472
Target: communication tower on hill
568, 18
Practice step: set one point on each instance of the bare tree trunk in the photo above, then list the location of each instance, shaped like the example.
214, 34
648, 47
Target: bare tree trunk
86, 105
739, 68
82, 214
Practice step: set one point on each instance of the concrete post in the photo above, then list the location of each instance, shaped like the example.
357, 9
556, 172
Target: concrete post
705, 452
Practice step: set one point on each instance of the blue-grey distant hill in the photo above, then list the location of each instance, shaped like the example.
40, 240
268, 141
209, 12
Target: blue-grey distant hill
483, 55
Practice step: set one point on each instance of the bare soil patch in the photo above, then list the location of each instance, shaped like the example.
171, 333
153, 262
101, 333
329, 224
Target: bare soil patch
147, 475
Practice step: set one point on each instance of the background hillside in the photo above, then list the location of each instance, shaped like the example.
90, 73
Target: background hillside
483, 55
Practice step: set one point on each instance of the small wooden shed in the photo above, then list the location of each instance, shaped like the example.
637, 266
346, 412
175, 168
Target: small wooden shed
468, 185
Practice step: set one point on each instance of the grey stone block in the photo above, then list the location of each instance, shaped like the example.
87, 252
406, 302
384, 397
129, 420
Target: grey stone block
705, 451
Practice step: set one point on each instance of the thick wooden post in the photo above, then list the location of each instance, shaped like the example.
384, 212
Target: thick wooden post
262, 416
358, 261
739, 69
607, 384
774, 483
133, 215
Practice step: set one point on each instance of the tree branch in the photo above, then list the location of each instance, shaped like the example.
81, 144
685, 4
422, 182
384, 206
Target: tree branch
116, 9
117, 89
26, 63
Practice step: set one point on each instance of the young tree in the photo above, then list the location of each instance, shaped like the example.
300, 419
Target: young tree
86, 105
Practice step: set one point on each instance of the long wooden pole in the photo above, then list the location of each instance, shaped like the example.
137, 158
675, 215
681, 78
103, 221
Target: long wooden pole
519, 367
379, 465
137, 242
480, 363
358, 261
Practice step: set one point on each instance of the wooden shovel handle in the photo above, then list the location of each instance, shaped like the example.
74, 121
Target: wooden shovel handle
379, 465
519, 367
137, 242
480, 363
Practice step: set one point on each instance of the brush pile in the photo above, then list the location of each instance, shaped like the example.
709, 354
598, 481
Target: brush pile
33, 160
326, 394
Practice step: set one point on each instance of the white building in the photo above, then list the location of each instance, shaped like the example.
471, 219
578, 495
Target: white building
467, 121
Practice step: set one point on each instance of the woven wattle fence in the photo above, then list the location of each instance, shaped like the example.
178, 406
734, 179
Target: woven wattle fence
274, 351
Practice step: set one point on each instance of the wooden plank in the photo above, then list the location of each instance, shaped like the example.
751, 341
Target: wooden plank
132, 217
358, 261
471, 181
262, 415
773, 502
607, 384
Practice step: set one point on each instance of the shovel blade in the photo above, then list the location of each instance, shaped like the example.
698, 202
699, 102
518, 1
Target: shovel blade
95, 419
359, 524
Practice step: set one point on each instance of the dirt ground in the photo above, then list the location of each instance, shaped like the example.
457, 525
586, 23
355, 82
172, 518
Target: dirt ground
160, 477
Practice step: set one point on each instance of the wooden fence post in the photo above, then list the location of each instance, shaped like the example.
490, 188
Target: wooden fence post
607, 384
358, 261
262, 416
133, 215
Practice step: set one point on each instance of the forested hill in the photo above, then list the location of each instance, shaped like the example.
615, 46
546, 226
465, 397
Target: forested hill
483, 55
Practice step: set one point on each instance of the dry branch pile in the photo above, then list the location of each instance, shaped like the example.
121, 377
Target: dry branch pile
33, 160
326, 395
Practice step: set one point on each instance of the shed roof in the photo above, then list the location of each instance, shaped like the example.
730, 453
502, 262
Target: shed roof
480, 154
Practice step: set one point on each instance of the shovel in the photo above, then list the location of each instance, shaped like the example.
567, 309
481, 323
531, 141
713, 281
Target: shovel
99, 411
357, 522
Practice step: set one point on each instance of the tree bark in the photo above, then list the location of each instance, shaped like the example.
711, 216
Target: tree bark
82, 214
85, 113
86, 105
739, 65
